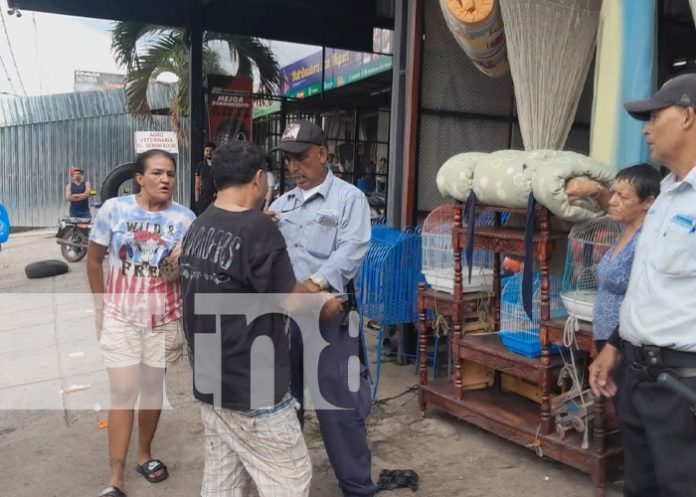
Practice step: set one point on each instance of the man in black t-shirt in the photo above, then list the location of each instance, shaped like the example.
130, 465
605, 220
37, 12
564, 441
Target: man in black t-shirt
205, 190
233, 248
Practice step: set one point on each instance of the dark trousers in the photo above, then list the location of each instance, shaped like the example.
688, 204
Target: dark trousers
658, 430
344, 431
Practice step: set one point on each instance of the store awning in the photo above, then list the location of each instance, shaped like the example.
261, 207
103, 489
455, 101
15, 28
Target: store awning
336, 23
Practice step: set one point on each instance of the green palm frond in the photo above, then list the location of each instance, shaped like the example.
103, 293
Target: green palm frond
161, 53
125, 37
248, 53
148, 50
167, 54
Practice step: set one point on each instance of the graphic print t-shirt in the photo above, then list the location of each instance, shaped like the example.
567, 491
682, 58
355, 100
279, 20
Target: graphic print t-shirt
139, 241
236, 252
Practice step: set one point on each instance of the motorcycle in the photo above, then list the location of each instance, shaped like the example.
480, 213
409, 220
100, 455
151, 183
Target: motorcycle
73, 236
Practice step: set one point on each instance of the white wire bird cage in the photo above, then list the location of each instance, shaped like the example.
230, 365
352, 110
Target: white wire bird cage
587, 244
438, 254
519, 333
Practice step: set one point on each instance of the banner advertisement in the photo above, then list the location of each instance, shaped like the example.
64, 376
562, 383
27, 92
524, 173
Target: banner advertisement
230, 108
91, 81
341, 67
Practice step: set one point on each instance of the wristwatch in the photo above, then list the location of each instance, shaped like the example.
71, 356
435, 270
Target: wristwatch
320, 281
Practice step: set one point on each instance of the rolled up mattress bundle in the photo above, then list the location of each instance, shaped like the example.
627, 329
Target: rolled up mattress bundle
506, 178
477, 25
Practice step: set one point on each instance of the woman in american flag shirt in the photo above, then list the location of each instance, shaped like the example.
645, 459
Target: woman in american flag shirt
138, 308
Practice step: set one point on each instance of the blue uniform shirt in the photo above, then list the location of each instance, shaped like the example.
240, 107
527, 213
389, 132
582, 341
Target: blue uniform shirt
659, 308
329, 233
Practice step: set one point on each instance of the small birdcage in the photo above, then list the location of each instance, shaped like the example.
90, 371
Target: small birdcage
438, 255
587, 244
519, 333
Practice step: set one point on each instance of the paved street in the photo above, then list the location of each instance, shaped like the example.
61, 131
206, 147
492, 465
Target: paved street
51, 443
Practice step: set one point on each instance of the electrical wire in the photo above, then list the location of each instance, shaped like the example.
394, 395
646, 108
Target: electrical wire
9, 45
36, 49
7, 74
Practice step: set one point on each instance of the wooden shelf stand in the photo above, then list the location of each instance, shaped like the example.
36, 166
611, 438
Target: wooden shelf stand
507, 414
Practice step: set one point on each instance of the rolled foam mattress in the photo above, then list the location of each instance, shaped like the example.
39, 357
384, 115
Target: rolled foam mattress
506, 178
477, 25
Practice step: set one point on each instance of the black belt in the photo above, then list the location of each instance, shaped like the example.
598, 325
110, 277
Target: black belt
652, 356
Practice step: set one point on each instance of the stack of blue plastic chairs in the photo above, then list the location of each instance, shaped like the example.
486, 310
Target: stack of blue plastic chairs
387, 288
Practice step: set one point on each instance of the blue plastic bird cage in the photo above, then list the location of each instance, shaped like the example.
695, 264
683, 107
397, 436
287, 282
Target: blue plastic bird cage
387, 288
519, 333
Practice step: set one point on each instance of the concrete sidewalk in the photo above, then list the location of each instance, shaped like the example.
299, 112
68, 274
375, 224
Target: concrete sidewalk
51, 445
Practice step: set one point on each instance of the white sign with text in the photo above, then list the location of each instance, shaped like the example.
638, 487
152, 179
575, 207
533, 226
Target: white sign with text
162, 140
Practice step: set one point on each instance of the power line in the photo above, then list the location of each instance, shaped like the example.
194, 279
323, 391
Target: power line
7, 74
9, 45
36, 49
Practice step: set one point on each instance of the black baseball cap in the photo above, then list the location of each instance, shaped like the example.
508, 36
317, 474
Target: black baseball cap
298, 136
680, 91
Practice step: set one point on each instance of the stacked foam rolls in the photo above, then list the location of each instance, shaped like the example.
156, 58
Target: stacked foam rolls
506, 178
477, 25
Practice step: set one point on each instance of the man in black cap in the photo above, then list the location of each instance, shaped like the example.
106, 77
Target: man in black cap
657, 330
326, 225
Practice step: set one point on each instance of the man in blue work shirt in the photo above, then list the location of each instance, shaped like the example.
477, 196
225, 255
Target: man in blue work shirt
326, 225
657, 327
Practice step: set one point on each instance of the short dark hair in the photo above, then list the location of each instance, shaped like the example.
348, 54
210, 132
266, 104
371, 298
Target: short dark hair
644, 178
212, 145
236, 163
141, 161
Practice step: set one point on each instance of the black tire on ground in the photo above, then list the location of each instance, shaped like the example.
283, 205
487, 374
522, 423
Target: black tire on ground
71, 253
116, 177
44, 269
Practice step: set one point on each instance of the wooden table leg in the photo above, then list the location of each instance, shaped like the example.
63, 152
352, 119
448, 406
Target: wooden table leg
423, 352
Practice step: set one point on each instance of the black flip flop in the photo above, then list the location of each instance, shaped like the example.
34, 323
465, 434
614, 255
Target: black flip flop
150, 467
112, 492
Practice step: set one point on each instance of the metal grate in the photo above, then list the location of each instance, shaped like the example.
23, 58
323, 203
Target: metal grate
450, 81
444, 136
462, 110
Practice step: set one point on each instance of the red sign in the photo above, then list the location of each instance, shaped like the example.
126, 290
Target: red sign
230, 108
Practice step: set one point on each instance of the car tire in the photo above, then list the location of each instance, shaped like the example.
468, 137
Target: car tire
45, 269
115, 179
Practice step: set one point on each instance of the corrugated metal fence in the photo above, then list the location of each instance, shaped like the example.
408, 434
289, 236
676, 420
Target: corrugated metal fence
42, 137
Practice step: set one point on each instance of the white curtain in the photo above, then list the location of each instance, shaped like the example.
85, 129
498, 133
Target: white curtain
550, 47
693, 9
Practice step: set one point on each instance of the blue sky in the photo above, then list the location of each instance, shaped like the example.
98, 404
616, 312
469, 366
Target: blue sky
48, 49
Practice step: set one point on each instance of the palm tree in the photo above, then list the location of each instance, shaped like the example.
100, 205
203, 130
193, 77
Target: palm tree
164, 50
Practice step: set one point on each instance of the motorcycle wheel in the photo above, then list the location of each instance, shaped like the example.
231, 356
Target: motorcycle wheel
71, 253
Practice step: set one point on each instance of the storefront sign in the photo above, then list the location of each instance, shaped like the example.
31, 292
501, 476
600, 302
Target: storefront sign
162, 140
341, 67
230, 107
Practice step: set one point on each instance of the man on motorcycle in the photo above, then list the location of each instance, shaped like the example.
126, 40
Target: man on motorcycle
77, 193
